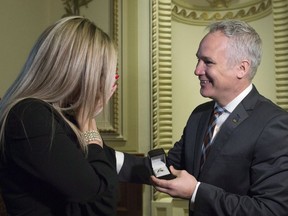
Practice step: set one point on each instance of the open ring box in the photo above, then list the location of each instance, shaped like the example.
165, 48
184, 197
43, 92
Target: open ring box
158, 164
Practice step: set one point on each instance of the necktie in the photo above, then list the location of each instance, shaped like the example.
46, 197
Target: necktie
209, 134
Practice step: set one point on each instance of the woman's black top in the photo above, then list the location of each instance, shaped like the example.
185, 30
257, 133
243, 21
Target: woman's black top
45, 173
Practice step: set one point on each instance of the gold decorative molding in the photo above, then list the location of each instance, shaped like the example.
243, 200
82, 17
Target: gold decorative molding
185, 11
280, 11
170, 207
111, 126
72, 7
161, 77
116, 95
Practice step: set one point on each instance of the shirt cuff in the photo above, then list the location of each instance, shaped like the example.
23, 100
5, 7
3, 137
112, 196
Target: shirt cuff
119, 160
194, 196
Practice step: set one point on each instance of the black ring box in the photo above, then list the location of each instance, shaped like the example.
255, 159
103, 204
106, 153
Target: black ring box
158, 164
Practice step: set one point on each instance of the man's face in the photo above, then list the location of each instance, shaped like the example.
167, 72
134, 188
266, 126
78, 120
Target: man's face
218, 78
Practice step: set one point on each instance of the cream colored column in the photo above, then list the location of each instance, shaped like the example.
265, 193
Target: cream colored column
280, 11
163, 205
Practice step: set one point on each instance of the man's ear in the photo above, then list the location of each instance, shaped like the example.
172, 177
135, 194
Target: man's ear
243, 69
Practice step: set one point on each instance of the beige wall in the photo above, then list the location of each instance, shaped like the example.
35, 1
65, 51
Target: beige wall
21, 22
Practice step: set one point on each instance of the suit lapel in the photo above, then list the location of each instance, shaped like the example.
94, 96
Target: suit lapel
240, 113
231, 123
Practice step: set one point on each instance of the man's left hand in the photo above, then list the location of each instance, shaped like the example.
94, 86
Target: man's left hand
182, 186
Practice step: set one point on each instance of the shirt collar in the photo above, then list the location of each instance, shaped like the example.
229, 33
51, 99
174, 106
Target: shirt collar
234, 103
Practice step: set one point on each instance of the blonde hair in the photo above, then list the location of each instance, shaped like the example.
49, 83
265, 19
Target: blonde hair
72, 65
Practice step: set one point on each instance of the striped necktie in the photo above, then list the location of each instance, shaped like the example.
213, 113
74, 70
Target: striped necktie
207, 142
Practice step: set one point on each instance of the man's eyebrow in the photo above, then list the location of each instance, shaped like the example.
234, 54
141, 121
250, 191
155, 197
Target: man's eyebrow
207, 58
204, 58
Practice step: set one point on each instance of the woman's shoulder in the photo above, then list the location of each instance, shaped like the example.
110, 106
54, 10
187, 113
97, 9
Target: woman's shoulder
30, 103
33, 116
31, 108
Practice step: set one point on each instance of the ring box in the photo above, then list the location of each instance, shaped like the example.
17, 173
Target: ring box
158, 164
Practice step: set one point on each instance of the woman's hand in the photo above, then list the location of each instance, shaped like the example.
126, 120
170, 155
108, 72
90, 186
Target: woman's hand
100, 104
87, 126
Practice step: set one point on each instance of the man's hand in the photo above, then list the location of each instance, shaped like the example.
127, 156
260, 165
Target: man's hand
182, 186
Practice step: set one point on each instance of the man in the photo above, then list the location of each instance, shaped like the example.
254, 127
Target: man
243, 170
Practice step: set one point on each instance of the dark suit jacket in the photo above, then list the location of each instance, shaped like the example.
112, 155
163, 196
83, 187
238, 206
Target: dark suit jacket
246, 172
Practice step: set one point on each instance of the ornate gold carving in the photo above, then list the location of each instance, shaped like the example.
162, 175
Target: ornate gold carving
116, 95
113, 128
280, 11
72, 7
114, 102
202, 15
161, 76
219, 3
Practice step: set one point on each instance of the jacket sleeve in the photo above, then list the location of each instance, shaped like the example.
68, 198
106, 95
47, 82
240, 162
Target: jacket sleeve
135, 169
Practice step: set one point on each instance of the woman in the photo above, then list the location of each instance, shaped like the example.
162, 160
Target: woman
53, 159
